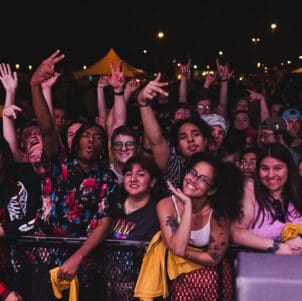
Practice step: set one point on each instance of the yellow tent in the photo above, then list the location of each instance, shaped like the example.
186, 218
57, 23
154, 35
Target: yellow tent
102, 66
299, 70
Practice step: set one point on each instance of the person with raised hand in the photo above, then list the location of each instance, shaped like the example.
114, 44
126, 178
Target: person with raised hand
9, 81
273, 205
224, 74
82, 191
189, 136
185, 75
194, 233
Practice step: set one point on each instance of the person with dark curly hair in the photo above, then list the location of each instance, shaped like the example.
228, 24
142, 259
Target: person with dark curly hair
195, 228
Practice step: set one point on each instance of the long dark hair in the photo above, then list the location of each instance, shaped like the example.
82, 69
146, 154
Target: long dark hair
292, 191
228, 186
75, 147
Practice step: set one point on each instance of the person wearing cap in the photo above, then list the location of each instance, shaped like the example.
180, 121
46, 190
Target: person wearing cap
276, 130
293, 118
218, 129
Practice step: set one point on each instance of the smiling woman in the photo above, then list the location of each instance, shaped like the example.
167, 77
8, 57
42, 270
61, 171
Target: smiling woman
195, 227
277, 203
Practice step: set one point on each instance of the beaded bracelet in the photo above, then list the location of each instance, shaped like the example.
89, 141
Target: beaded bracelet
275, 246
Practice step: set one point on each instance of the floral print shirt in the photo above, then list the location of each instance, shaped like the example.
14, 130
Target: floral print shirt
74, 201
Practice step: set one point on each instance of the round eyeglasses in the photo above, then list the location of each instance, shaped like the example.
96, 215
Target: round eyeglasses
118, 145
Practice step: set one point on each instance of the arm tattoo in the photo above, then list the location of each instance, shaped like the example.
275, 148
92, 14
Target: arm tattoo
215, 249
172, 223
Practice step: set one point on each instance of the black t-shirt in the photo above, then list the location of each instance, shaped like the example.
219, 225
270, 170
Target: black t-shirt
139, 225
20, 197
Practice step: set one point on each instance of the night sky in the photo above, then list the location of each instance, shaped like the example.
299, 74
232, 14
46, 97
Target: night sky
86, 30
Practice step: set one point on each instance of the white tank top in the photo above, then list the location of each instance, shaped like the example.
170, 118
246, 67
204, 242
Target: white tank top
200, 237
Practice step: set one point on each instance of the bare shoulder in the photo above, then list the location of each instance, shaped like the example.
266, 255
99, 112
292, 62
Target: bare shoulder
164, 203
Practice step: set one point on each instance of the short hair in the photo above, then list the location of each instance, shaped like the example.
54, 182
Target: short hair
146, 163
204, 128
124, 130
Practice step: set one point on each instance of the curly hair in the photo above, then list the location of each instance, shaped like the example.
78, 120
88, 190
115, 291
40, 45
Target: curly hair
204, 129
75, 147
228, 184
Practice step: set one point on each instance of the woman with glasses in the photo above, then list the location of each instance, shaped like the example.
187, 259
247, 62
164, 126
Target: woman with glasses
247, 161
195, 225
124, 145
276, 202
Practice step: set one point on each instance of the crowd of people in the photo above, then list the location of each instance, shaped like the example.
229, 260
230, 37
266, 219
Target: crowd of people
190, 166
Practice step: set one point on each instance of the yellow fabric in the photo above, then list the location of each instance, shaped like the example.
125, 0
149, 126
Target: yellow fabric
291, 230
59, 285
152, 280
103, 66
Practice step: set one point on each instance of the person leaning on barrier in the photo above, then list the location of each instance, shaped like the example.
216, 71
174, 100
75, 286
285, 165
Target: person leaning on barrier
19, 199
272, 214
195, 228
82, 191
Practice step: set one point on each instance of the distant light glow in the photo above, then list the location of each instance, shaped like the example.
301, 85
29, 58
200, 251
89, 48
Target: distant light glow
241, 78
145, 51
208, 66
300, 57
160, 34
195, 66
30, 67
258, 65
289, 62
255, 40
178, 76
220, 52
17, 66
282, 64
84, 67
273, 26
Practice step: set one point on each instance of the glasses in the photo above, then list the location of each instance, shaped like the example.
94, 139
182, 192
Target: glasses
246, 164
118, 145
201, 106
279, 212
265, 135
201, 179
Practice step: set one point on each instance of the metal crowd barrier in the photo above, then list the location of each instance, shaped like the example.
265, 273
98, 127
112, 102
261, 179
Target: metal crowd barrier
119, 264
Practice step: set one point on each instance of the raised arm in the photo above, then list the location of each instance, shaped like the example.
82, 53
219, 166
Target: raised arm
224, 74
131, 86
103, 82
119, 111
176, 237
10, 84
264, 111
45, 71
159, 145
47, 91
183, 84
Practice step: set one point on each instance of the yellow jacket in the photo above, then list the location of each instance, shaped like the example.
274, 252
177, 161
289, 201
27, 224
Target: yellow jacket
152, 280
291, 230
58, 285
